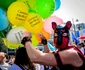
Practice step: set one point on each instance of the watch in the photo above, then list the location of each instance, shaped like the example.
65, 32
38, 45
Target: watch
25, 39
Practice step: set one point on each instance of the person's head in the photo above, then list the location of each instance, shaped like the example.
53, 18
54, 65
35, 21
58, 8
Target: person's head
2, 56
22, 58
61, 35
11, 56
82, 44
79, 45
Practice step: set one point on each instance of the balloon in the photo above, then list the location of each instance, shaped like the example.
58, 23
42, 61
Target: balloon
45, 7
3, 33
58, 3
17, 13
15, 35
3, 20
32, 11
5, 3
34, 23
51, 47
21, 25
48, 23
30, 3
34, 41
46, 35
10, 45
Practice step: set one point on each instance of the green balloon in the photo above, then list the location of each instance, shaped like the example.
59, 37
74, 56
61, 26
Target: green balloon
5, 3
45, 8
3, 33
31, 10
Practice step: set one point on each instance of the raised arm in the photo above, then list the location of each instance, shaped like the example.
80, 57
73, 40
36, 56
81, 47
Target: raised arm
44, 42
67, 56
39, 57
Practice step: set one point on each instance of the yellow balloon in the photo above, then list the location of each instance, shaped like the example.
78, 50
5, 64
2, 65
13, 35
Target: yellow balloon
17, 12
10, 45
34, 41
34, 23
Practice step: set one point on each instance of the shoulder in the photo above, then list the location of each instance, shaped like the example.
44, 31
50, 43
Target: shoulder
71, 56
15, 67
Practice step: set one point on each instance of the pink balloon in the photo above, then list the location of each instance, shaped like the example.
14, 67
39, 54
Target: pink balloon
48, 23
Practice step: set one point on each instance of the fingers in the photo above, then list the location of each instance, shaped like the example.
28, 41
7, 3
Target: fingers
41, 35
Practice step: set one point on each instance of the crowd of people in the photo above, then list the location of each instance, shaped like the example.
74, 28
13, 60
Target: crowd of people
21, 61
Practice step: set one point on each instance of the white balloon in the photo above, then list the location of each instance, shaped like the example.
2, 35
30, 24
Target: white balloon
15, 35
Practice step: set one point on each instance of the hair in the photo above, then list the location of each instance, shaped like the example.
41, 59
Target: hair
82, 44
21, 58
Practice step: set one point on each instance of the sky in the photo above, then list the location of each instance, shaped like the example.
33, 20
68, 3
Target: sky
71, 10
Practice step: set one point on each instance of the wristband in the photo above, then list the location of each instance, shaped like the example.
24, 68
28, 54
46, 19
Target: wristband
25, 39
44, 41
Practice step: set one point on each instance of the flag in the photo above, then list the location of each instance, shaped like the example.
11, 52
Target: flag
77, 34
75, 39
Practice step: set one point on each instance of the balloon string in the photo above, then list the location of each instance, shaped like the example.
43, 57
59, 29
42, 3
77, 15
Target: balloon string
28, 4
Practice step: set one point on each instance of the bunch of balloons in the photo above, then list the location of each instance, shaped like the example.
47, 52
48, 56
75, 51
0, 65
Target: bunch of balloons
18, 16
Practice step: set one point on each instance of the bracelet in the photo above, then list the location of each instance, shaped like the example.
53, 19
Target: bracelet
44, 41
25, 39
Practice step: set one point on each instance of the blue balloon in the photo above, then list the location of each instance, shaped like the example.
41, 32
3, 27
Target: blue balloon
57, 3
3, 20
51, 47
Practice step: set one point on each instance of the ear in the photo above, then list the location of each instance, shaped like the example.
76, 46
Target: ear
54, 25
68, 25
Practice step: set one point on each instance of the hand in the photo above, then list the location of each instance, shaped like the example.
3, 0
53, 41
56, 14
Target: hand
43, 39
41, 36
27, 34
